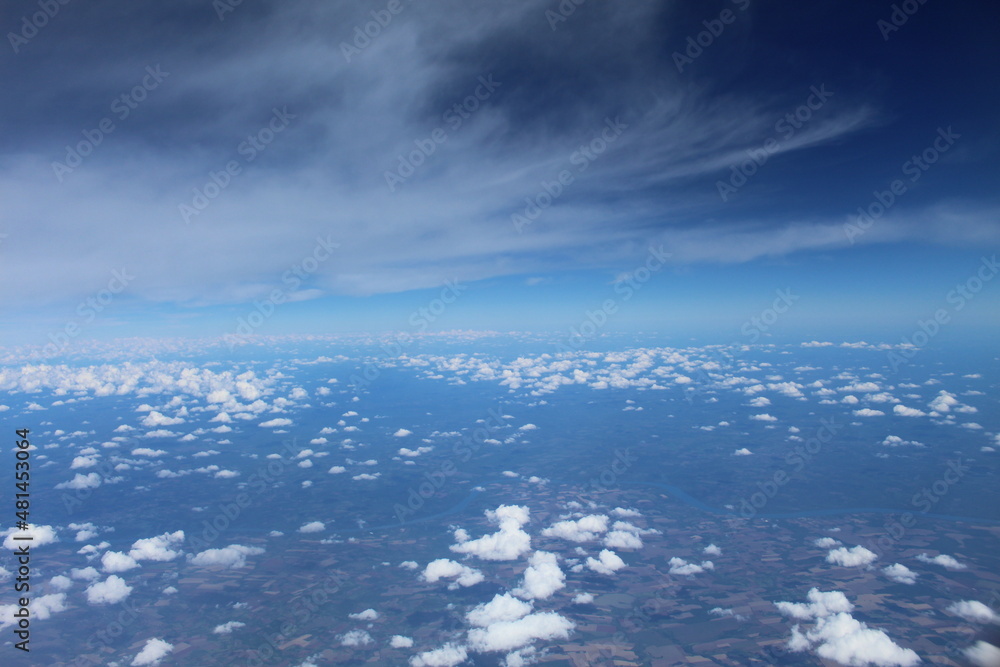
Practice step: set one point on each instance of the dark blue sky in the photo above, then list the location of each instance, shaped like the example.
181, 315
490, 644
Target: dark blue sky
312, 132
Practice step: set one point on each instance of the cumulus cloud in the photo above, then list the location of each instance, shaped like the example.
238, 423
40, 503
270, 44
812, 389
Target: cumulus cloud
42, 607
764, 417
116, 561
501, 608
366, 615
355, 638
621, 539
625, 512
228, 627
399, 641
900, 574
402, 433
312, 527
944, 560
853, 557
40, 536
444, 568
508, 543
983, 654
903, 411
844, 639
820, 604
161, 548
512, 635
607, 562
152, 653
155, 419
712, 550
110, 591
448, 655
682, 567
81, 481
868, 412
232, 557
583, 598
277, 422
742, 451
974, 611
542, 578
584, 529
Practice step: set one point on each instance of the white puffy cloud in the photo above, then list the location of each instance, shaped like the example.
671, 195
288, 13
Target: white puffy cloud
232, 557
42, 607
583, 598
903, 411
146, 451
944, 560
844, 639
973, 610
228, 627
607, 562
402, 433
896, 441
712, 550
111, 590
742, 451
584, 529
542, 578
943, 402
625, 512
620, 539
116, 561
764, 417
40, 536
508, 543
81, 481
853, 557
444, 568
682, 567
504, 607
152, 653
821, 604
312, 527
155, 419
412, 453
983, 654
366, 615
868, 412
355, 638
161, 548
448, 655
399, 641
277, 422
900, 573
512, 635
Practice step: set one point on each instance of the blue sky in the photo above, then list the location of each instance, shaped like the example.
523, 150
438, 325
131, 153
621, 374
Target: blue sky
303, 135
